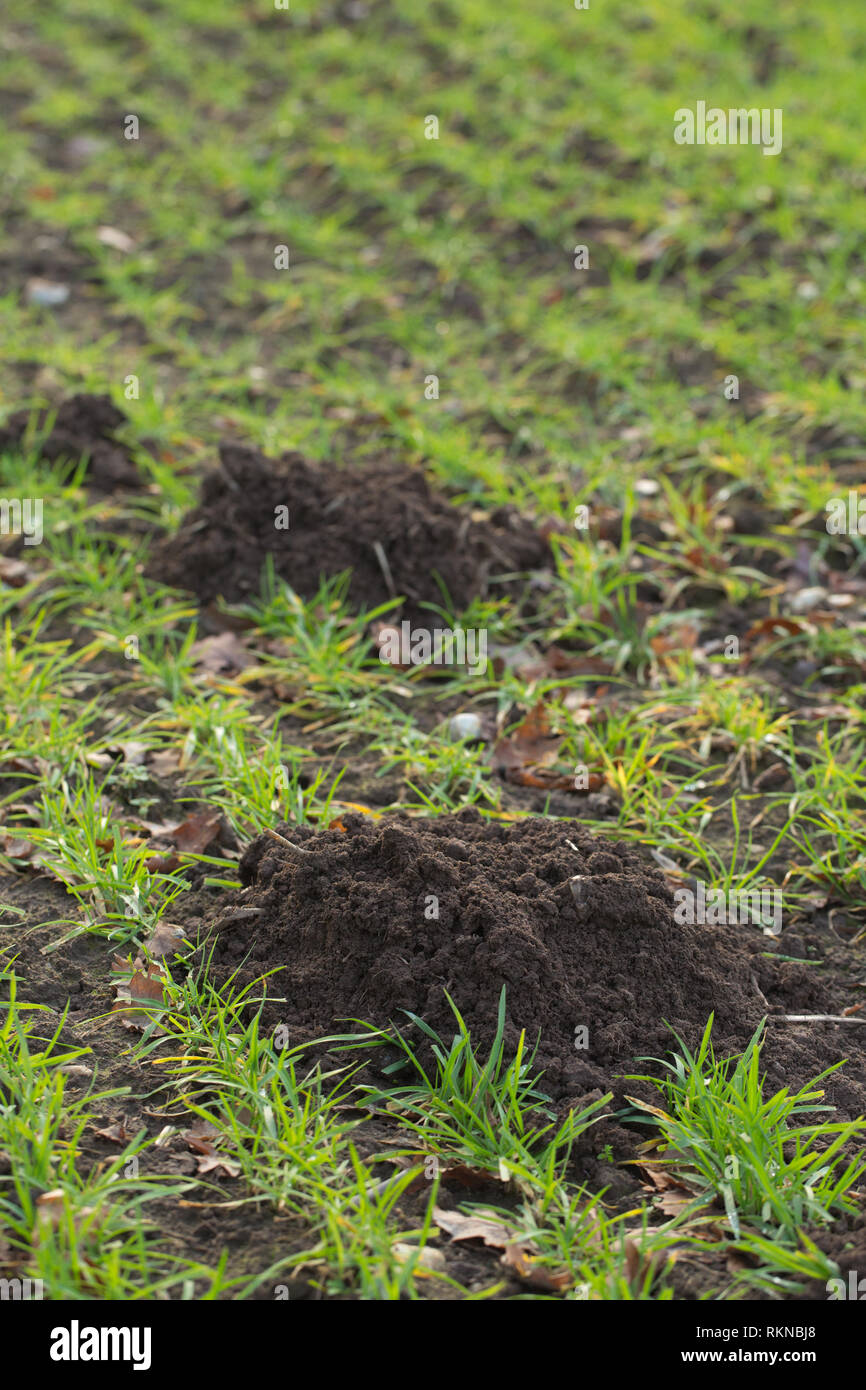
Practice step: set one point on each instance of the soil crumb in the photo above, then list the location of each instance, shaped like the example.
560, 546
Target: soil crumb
84, 427
380, 520
386, 915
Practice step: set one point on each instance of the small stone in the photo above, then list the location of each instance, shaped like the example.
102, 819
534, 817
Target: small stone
579, 892
807, 599
82, 148
429, 1257
464, 726
114, 237
50, 294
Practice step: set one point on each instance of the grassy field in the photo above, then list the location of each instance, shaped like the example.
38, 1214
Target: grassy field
462, 237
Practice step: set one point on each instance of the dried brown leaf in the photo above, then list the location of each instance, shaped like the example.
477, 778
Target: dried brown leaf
194, 834
218, 1165
223, 655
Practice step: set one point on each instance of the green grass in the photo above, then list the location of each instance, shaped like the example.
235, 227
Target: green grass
489, 1114
85, 1235
108, 876
731, 747
749, 1150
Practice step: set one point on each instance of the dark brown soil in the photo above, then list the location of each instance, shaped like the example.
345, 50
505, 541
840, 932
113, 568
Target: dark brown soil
84, 427
351, 922
340, 520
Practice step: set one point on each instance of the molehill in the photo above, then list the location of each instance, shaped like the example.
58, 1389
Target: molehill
85, 427
385, 915
380, 520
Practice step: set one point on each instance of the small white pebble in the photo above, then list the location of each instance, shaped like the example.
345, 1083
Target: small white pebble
806, 599
465, 726
48, 293
579, 892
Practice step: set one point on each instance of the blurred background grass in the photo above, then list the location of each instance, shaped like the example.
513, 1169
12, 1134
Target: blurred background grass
451, 256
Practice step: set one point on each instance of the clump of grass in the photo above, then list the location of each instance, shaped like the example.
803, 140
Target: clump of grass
282, 1125
749, 1151
581, 1251
490, 1113
780, 1270
101, 866
320, 651
84, 1235
444, 773
255, 783
360, 1248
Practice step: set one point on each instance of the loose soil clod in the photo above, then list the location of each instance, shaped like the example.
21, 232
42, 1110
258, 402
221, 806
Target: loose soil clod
381, 521
353, 923
84, 427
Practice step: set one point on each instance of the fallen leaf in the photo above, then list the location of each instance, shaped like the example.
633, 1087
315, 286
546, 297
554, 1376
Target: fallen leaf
217, 1164
639, 1267
632, 1261
15, 848
165, 939
461, 1175
132, 752
162, 863
530, 664
674, 1203
202, 1137
14, 572
31, 767
146, 985
52, 1208
770, 627
804, 600
524, 757
517, 1255
224, 654
673, 640
530, 745
537, 1276
827, 712
115, 1134
164, 761
194, 834
139, 993
775, 773
490, 1229
735, 1262
455, 1174
671, 1195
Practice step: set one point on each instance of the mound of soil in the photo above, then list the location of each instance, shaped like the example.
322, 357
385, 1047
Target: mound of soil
386, 915
379, 520
84, 427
